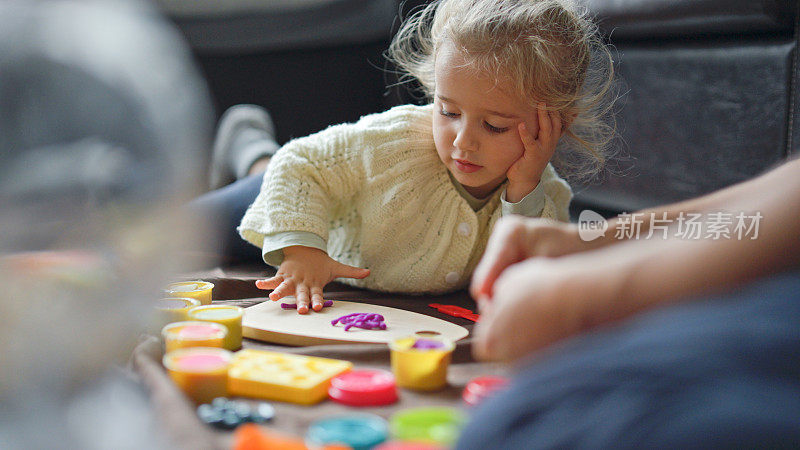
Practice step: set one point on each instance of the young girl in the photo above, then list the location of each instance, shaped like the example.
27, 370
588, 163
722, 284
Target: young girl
404, 200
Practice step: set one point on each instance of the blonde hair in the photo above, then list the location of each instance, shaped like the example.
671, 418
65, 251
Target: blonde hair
545, 50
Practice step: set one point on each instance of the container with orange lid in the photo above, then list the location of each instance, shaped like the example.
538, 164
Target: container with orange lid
200, 372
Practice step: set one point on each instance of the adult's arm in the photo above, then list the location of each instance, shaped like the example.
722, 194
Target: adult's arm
541, 300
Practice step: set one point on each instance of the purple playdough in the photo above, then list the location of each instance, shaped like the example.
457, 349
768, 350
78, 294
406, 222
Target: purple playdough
367, 321
427, 344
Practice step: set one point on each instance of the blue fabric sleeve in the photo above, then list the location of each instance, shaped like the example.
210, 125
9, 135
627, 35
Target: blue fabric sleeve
717, 372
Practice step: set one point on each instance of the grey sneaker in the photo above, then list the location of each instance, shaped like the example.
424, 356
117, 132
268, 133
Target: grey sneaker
245, 134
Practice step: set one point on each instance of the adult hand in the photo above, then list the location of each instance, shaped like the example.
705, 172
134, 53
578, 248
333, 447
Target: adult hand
525, 173
516, 239
303, 273
542, 300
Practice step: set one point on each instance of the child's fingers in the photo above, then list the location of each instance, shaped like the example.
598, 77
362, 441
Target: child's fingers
316, 298
269, 283
284, 289
527, 138
301, 293
545, 124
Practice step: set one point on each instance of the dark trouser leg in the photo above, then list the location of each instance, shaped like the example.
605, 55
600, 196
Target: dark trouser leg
718, 372
224, 208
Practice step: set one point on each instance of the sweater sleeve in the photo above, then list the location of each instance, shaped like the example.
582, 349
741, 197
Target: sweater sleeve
531, 205
557, 195
272, 250
305, 181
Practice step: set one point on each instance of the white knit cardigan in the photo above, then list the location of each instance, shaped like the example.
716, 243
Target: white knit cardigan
377, 193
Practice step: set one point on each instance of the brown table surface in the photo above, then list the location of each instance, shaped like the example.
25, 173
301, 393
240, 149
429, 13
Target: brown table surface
236, 286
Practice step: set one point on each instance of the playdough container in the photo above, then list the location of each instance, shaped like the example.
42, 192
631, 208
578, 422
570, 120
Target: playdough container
356, 431
193, 334
439, 425
421, 363
200, 290
172, 309
200, 372
228, 315
363, 387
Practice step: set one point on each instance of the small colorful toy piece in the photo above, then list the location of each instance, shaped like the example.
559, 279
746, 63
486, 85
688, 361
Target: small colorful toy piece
228, 414
325, 304
367, 321
282, 376
456, 311
253, 437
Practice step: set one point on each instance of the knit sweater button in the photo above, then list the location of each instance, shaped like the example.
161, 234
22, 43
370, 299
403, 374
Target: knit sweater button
452, 278
464, 229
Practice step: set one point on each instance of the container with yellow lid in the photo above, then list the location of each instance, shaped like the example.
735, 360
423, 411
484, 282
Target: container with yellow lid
200, 290
171, 309
228, 315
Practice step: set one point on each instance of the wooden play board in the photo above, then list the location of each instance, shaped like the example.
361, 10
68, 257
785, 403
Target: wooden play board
268, 322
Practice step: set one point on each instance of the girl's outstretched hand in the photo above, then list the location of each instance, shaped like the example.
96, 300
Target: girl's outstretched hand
303, 273
525, 173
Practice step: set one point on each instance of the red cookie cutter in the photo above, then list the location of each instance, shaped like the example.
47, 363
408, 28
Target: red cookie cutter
456, 311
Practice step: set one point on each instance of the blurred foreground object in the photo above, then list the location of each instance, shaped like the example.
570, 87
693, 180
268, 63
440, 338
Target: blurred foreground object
103, 118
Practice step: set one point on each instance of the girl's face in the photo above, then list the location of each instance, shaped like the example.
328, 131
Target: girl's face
475, 124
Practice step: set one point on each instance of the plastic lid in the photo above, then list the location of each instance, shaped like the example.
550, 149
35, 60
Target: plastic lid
188, 286
362, 431
216, 312
197, 359
439, 425
364, 387
480, 388
193, 330
175, 303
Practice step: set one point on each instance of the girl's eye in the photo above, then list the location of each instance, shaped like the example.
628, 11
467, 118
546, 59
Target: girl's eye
447, 114
494, 129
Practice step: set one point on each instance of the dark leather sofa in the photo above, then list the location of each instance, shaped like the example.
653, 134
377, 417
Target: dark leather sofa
710, 93
710, 96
